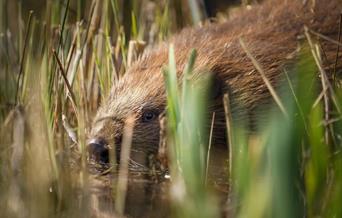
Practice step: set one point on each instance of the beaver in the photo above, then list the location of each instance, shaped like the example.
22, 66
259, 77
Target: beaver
272, 32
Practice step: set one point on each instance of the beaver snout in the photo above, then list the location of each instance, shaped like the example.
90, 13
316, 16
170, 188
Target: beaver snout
98, 150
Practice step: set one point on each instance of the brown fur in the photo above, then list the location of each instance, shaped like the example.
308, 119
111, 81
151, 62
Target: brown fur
270, 30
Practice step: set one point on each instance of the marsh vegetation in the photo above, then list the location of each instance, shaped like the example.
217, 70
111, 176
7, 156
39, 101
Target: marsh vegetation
59, 59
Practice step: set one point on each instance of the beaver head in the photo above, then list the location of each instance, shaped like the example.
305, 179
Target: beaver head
139, 93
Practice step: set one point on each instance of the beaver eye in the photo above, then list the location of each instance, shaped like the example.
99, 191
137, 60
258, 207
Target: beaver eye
148, 116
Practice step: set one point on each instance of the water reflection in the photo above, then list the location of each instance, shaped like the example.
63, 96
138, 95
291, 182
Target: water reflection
148, 195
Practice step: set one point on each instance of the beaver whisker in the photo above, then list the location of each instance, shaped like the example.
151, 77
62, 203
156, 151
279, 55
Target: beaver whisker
136, 150
137, 166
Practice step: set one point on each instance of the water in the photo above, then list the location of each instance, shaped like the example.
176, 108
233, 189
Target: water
148, 195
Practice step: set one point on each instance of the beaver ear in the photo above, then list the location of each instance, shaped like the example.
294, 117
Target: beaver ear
216, 86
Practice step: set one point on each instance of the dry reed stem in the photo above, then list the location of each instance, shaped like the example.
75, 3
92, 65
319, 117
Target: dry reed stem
65, 79
15, 202
316, 56
124, 163
209, 147
265, 79
70, 55
229, 127
18, 140
319, 98
21, 70
325, 83
323, 36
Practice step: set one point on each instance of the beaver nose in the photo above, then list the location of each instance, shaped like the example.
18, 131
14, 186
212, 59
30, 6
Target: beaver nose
98, 150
